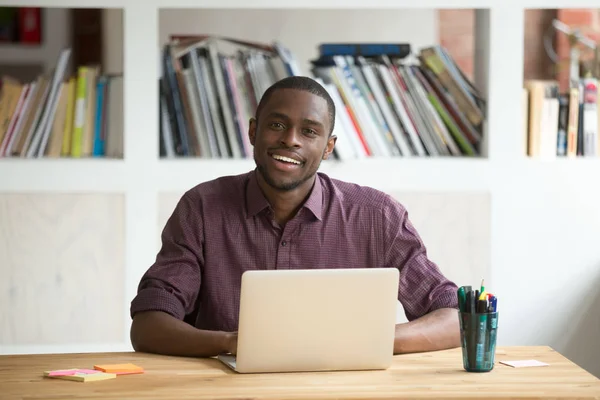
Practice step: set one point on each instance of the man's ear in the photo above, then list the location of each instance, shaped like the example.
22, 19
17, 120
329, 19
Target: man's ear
252, 130
330, 145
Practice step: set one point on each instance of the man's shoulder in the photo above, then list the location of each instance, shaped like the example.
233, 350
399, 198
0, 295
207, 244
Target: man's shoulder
349, 193
224, 186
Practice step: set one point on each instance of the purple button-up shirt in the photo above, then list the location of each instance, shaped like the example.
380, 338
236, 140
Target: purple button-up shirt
224, 227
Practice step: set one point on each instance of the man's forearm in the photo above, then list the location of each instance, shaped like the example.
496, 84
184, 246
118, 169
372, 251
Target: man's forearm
160, 333
437, 330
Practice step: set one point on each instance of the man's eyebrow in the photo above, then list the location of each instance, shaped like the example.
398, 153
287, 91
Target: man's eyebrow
311, 122
276, 114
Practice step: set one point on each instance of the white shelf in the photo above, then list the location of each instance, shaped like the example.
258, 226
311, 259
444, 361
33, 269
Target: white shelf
395, 4
418, 174
62, 175
177, 175
103, 176
414, 174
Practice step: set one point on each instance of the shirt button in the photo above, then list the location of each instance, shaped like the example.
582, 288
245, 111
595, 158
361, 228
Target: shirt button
284, 243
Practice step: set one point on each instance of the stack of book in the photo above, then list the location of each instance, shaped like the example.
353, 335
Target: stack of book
561, 124
386, 105
209, 89
390, 106
62, 115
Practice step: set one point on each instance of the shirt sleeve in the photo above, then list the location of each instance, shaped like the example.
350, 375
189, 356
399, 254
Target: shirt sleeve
423, 288
172, 283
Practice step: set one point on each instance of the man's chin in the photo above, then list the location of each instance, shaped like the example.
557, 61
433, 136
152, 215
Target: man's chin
281, 184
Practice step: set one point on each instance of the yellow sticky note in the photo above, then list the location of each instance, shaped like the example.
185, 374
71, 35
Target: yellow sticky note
120, 369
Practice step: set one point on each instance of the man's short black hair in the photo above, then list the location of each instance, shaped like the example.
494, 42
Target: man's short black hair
300, 83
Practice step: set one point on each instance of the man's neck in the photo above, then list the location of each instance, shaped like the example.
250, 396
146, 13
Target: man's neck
285, 204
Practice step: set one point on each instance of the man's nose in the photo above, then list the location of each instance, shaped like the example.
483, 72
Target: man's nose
290, 137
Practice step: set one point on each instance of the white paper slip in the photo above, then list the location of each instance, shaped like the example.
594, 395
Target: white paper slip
524, 363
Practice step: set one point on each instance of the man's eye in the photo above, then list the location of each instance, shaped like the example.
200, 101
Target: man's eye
276, 125
309, 131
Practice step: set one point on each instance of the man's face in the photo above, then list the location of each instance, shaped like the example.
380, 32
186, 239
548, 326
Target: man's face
291, 137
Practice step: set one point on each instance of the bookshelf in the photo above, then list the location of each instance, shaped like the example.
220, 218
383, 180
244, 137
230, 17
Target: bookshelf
430, 174
561, 99
61, 96
510, 217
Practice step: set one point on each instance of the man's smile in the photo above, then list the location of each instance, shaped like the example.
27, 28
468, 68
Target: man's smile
285, 159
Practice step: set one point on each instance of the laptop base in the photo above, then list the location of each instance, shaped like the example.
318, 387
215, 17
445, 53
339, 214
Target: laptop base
228, 359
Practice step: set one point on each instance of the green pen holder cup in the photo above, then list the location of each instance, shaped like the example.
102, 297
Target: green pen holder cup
478, 340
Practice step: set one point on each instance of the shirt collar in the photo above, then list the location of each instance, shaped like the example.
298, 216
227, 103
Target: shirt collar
257, 202
314, 202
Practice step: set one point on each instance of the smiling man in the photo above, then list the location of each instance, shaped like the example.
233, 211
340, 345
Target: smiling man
283, 215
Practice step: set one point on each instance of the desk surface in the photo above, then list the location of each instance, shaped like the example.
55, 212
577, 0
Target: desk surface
428, 375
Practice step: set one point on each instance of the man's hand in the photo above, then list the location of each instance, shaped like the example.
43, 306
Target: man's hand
231, 342
159, 332
437, 330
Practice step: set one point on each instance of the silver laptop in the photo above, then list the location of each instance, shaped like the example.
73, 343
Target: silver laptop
316, 320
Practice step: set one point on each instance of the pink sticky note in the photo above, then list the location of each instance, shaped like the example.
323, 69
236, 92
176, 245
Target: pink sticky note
65, 372
524, 363
62, 372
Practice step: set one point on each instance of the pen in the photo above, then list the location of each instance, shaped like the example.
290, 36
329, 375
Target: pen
461, 298
482, 331
473, 328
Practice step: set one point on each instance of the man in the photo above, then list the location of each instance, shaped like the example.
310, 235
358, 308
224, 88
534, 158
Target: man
282, 215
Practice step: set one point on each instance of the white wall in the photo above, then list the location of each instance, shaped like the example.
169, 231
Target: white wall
546, 259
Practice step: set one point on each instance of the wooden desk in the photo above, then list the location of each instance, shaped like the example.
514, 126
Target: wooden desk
430, 375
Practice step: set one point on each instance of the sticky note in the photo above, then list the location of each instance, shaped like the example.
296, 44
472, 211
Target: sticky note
524, 363
62, 372
79, 375
120, 369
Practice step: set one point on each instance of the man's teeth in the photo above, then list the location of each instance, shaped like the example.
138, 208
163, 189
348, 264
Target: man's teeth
286, 159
